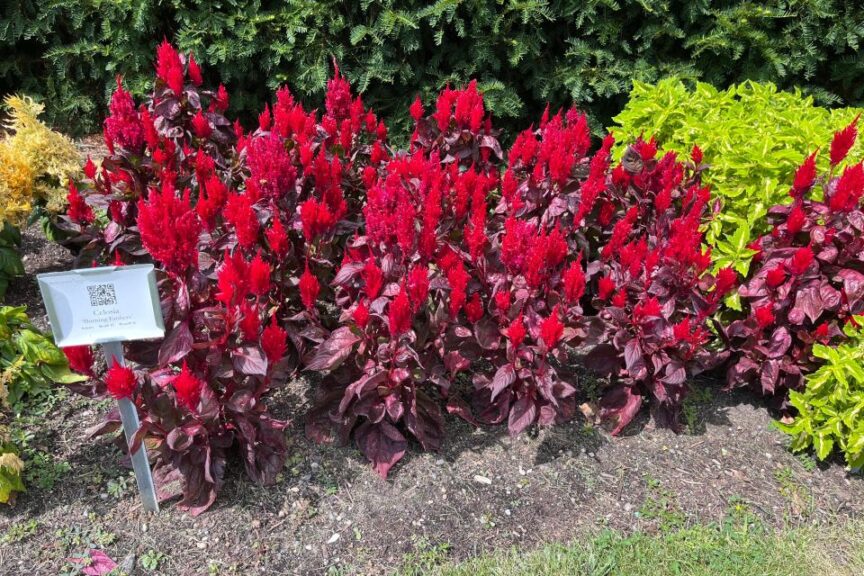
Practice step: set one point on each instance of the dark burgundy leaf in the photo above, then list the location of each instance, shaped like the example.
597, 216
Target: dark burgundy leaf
382, 444
177, 345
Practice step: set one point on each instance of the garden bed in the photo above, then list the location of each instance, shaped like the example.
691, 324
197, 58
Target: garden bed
484, 491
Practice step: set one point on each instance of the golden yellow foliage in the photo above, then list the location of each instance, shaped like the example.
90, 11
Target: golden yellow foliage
36, 163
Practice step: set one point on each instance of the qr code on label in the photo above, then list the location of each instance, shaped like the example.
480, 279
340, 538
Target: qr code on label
102, 295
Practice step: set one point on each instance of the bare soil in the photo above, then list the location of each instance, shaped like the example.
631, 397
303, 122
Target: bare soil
330, 513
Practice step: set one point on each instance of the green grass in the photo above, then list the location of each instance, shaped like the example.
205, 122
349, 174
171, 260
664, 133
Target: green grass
738, 546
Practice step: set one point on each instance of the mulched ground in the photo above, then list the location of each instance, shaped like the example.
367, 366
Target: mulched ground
331, 514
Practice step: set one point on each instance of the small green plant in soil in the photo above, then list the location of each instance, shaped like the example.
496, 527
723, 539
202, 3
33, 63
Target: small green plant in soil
151, 559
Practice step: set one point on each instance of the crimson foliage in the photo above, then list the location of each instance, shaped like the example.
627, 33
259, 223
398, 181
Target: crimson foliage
810, 277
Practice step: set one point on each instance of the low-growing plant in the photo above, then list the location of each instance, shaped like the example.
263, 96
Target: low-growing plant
809, 276
752, 135
11, 468
829, 408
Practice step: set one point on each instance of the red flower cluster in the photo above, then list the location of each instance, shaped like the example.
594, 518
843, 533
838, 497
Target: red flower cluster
170, 228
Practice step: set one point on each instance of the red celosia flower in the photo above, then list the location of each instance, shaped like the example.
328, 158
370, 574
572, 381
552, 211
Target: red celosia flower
250, 321
80, 359
265, 120
316, 219
151, 135
195, 71
221, 100
123, 126
681, 331
121, 381
821, 332
240, 214
169, 68
650, 308
605, 287
796, 219
843, 141
620, 233
801, 260
848, 190
361, 315
170, 228
201, 126
399, 314
619, 300
274, 341
574, 281
775, 277
373, 278
805, 175
418, 286
696, 155
474, 308
458, 278
259, 275
79, 211
309, 288
726, 280
647, 150
277, 237
764, 316
502, 300
337, 101
187, 388
90, 168
270, 166
232, 279
551, 329
416, 109
516, 331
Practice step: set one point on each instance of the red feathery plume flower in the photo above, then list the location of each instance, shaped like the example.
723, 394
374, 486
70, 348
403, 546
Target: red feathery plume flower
187, 388
121, 381
821, 333
805, 175
221, 100
80, 359
90, 168
796, 219
79, 211
270, 166
373, 278
417, 286
574, 281
416, 109
123, 126
169, 69
399, 314
170, 228
250, 322
195, 71
259, 275
337, 101
502, 301
726, 280
240, 214
474, 308
696, 155
277, 237
551, 329
361, 315
775, 277
274, 341
650, 308
764, 316
458, 278
801, 260
848, 190
201, 126
843, 141
605, 288
516, 331
309, 288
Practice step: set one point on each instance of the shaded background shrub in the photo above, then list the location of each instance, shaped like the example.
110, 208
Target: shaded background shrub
522, 54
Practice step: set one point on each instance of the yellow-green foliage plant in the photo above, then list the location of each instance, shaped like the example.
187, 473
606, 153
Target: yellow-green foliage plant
11, 467
753, 137
831, 406
36, 164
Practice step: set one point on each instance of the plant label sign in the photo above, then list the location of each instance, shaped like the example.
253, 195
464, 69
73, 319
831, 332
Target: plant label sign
107, 306
100, 305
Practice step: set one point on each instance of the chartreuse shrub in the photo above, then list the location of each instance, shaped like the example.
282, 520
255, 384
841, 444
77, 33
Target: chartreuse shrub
831, 406
35, 166
523, 54
29, 363
753, 137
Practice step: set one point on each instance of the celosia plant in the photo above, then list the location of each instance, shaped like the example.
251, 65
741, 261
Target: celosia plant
808, 281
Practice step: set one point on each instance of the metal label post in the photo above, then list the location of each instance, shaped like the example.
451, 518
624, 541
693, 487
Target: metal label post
129, 416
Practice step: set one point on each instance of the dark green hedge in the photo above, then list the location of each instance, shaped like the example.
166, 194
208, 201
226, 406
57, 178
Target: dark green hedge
524, 52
